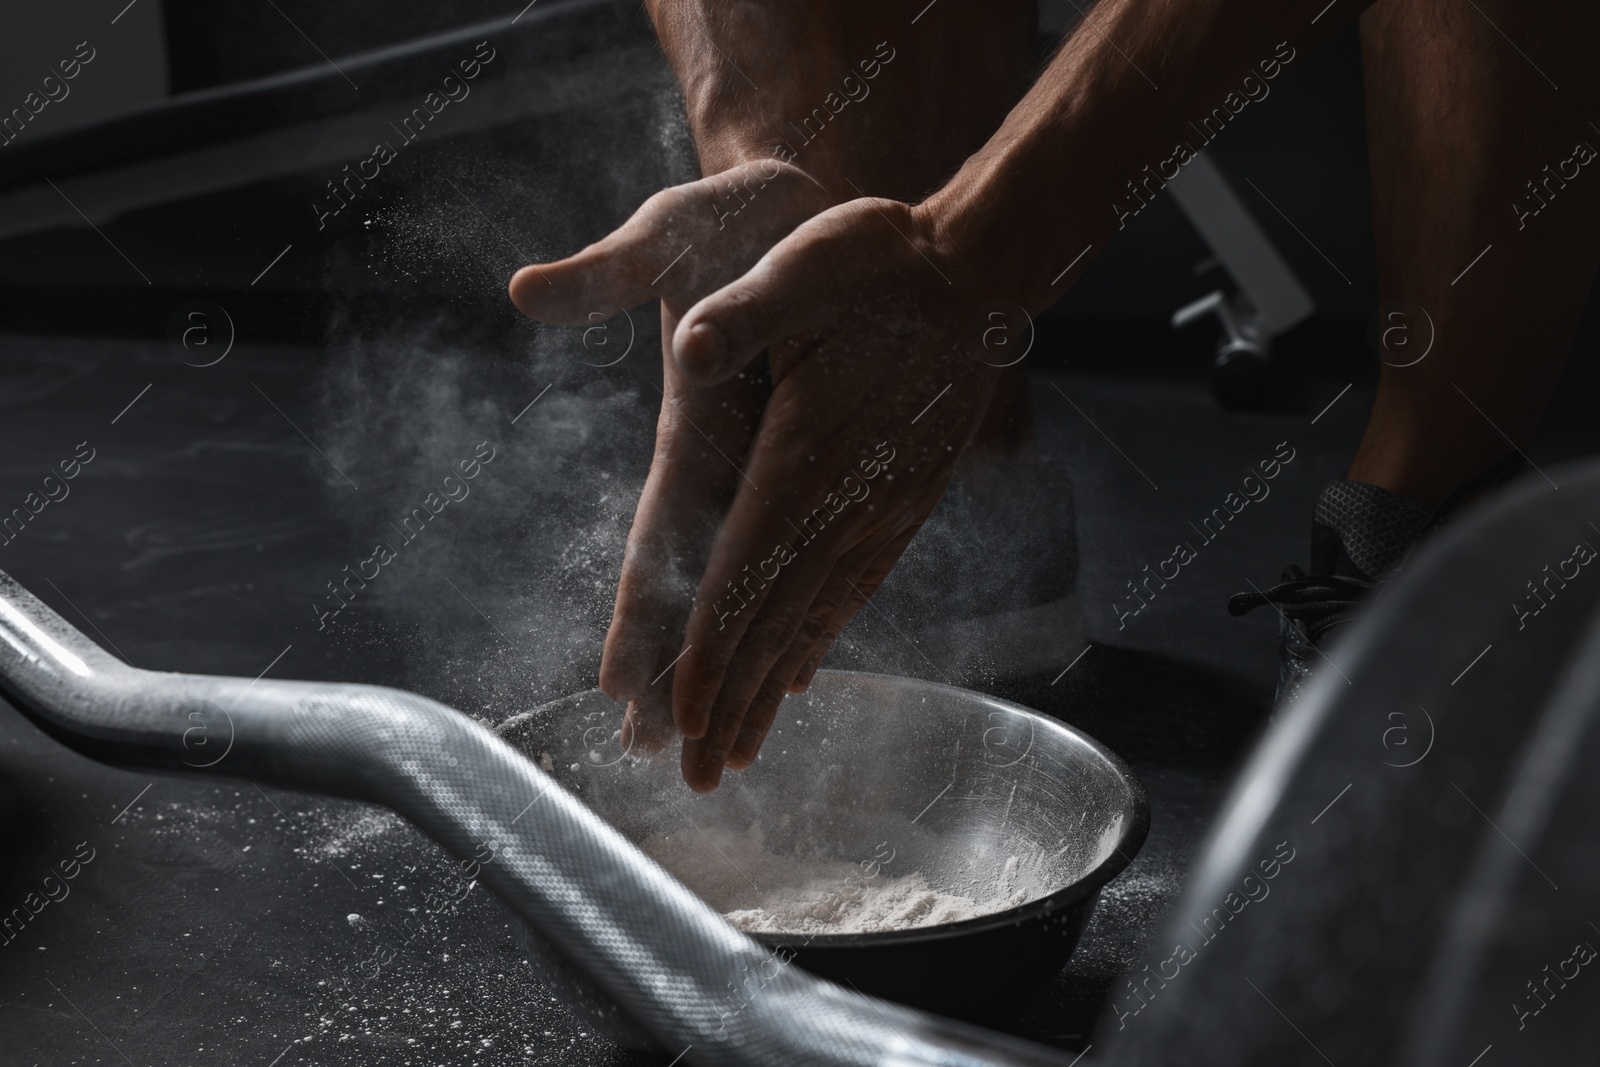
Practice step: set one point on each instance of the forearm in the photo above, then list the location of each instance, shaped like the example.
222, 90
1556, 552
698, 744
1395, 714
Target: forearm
1134, 93
866, 97
720, 48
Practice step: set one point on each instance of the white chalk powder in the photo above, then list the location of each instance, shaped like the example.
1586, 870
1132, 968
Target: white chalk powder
760, 891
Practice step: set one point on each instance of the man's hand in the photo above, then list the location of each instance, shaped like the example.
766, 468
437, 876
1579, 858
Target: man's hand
877, 387
682, 244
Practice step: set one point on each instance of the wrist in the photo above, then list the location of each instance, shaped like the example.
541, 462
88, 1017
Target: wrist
1023, 218
972, 225
722, 144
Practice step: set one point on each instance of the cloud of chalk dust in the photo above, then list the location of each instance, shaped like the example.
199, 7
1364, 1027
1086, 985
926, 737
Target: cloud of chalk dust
504, 600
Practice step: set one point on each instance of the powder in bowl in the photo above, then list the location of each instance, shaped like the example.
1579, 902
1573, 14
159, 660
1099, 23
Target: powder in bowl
763, 892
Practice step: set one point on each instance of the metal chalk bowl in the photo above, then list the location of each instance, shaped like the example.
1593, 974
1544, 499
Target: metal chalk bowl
881, 778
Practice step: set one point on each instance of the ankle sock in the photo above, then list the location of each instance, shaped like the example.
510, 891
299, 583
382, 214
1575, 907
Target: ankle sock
1364, 531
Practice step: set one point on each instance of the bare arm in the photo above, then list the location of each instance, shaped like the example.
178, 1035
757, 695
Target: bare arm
869, 100
1137, 89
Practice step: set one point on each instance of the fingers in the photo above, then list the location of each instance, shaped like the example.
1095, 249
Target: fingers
619, 271
690, 483
757, 722
706, 700
815, 489
735, 662
841, 587
802, 680
752, 731
682, 243
862, 588
745, 647
647, 725
646, 618
705, 758
739, 721
794, 290
813, 646
755, 684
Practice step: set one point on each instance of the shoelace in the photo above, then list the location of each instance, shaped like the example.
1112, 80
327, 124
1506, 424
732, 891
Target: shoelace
1318, 601
1322, 601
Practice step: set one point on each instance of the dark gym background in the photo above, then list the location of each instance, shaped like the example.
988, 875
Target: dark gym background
223, 497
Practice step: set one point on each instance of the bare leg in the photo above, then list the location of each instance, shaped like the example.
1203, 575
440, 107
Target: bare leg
1458, 123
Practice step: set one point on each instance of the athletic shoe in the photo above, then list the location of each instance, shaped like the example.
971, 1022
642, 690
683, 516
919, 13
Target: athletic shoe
1361, 537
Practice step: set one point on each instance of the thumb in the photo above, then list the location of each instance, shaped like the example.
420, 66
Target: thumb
618, 272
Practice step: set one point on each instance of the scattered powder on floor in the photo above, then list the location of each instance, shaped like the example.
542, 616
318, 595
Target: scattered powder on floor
760, 891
